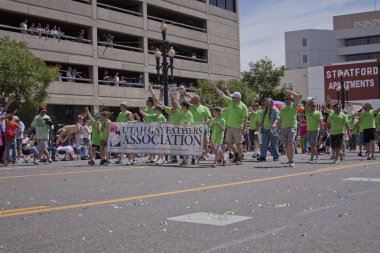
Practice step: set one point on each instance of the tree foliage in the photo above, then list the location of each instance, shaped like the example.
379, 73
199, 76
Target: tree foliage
264, 78
210, 98
23, 75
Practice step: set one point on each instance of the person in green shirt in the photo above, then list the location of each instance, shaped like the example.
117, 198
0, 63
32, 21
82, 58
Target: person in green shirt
201, 115
314, 121
157, 117
41, 123
377, 120
352, 121
122, 117
288, 124
367, 120
338, 123
218, 125
254, 117
236, 124
104, 125
149, 108
95, 135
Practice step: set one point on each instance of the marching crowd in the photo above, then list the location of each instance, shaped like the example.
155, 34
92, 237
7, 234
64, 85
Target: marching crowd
233, 128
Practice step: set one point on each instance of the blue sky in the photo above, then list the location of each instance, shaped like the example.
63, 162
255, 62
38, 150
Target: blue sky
263, 23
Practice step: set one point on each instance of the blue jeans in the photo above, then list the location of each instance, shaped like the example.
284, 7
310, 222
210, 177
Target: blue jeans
81, 151
11, 145
353, 142
53, 151
268, 137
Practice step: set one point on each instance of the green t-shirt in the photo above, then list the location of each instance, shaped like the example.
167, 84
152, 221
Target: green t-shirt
254, 118
149, 110
236, 114
217, 133
225, 113
186, 117
377, 120
338, 123
200, 113
267, 121
123, 116
367, 119
313, 119
288, 115
352, 123
175, 117
95, 135
104, 130
42, 129
156, 118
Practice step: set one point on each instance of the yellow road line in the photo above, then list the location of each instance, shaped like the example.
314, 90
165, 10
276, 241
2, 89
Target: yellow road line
163, 194
22, 209
69, 173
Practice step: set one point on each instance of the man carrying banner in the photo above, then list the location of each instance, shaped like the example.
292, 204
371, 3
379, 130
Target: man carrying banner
157, 117
236, 123
202, 115
122, 117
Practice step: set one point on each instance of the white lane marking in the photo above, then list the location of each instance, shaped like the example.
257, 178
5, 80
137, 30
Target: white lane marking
362, 179
244, 240
322, 208
210, 218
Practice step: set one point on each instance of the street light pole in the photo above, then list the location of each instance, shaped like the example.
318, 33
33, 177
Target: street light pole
165, 66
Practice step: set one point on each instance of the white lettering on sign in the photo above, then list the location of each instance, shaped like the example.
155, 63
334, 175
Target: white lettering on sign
353, 84
352, 72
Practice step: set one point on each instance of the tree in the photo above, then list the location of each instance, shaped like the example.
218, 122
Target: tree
264, 78
210, 98
23, 75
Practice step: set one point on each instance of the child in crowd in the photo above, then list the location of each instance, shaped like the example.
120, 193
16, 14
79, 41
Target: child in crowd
218, 125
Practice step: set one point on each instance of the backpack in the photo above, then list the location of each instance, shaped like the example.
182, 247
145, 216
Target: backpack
10, 134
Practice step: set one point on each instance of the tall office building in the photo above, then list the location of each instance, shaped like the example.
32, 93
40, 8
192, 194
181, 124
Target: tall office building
102, 38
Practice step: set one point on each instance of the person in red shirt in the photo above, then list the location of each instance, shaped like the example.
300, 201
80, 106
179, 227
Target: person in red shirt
10, 138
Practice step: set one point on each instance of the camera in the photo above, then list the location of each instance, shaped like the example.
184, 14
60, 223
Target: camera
48, 122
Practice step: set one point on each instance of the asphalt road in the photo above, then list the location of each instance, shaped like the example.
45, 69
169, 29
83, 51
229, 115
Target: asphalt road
71, 207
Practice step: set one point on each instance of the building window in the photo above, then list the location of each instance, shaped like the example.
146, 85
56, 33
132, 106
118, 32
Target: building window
229, 5
360, 57
304, 58
304, 42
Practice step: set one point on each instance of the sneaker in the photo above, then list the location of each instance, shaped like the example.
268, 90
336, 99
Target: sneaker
310, 161
91, 162
369, 158
102, 162
107, 163
119, 161
254, 156
275, 159
133, 162
36, 162
291, 164
159, 162
261, 159
360, 154
373, 158
336, 161
214, 165
50, 161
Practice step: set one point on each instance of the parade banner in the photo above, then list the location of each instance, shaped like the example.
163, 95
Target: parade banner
155, 138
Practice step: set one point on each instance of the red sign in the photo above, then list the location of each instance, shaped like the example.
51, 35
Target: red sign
362, 79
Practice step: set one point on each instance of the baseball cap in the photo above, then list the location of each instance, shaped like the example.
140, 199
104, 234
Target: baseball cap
236, 94
42, 109
124, 103
98, 115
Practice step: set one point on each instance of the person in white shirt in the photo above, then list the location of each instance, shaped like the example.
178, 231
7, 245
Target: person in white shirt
116, 79
24, 26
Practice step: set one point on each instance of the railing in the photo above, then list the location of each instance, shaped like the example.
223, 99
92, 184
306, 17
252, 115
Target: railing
83, 1
160, 87
177, 23
178, 56
44, 34
118, 46
74, 79
110, 7
121, 84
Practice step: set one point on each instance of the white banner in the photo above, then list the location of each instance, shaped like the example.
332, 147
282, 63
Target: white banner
155, 138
